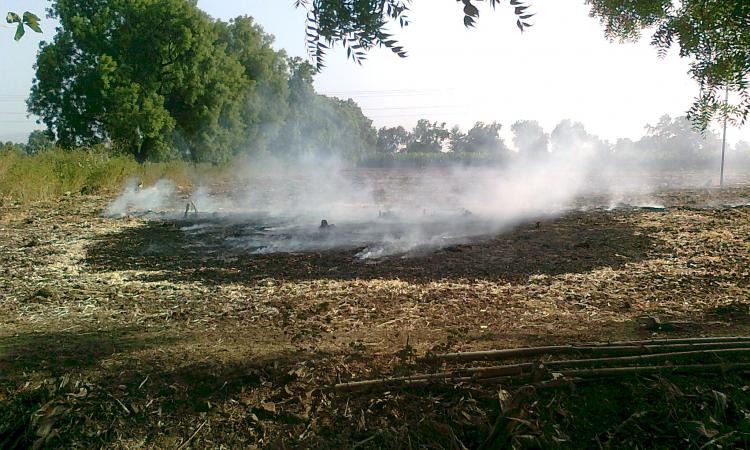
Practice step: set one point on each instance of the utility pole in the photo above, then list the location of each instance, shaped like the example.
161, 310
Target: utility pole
724, 138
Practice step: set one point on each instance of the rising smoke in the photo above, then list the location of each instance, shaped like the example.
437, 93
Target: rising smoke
137, 200
276, 206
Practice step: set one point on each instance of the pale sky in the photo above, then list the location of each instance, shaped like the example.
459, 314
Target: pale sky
561, 68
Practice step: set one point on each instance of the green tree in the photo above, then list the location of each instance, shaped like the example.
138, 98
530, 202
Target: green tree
529, 138
392, 139
39, 141
572, 137
713, 34
676, 140
12, 147
482, 138
428, 137
150, 76
456, 139
322, 126
265, 104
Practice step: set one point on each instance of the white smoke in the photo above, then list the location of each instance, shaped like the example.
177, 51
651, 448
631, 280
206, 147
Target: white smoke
274, 206
136, 199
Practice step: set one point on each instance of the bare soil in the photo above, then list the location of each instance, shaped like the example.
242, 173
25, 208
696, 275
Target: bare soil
121, 333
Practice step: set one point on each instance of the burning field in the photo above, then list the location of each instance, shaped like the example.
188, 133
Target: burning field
225, 318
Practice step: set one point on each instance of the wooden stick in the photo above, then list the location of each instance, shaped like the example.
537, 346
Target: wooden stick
482, 372
674, 341
648, 357
192, 436
693, 368
603, 372
495, 355
474, 373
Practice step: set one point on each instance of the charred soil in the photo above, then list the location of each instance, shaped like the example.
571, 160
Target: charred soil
126, 333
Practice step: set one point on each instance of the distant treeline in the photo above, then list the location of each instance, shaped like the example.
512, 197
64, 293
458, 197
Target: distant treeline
670, 142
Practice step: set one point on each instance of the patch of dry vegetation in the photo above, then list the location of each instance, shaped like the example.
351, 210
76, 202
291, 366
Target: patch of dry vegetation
120, 333
51, 174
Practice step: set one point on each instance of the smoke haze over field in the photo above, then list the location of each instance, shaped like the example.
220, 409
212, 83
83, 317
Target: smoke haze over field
134, 199
381, 212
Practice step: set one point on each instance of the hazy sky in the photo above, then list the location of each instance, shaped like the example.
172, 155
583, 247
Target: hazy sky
562, 67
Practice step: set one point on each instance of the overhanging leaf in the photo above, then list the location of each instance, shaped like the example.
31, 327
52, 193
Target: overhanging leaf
471, 10
13, 18
32, 21
19, 32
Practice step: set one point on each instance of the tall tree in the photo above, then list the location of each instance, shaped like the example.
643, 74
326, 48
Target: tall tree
456, 139
675, 139
482, 138
392, 139
322, 126
147, 75
572, 137
265, 103
529, 138
428, 137
39, 141
713, 34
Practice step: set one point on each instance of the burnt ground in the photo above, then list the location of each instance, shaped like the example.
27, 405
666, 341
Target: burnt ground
120, 333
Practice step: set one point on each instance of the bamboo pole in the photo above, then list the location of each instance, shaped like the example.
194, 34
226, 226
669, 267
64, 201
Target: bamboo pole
525, 369
724, 137
602, 350
697, 340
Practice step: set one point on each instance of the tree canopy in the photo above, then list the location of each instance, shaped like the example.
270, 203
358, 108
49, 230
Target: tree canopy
427, 137
320, 125
529, 138
392, 139
142, 74
160, 78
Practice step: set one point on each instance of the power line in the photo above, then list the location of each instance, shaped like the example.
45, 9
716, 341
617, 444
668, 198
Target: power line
413, 107
384, 94
390, 91
416, 115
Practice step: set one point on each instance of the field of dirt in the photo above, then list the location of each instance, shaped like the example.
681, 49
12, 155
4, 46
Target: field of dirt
120, 333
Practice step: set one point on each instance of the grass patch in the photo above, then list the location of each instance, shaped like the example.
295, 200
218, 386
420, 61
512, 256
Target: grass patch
45, 176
